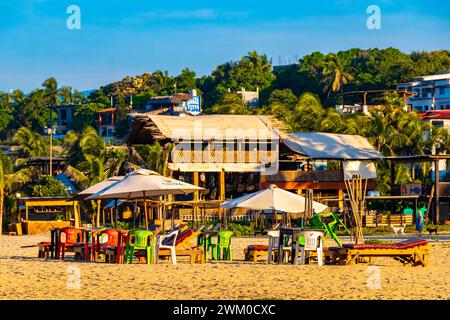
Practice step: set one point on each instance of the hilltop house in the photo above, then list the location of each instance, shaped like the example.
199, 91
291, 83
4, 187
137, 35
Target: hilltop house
64, 117
432, 92
176, 104
364, 101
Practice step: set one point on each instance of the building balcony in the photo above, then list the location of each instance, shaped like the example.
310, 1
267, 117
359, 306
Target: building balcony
181, 156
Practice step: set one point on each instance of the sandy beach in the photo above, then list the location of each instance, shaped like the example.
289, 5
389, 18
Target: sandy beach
24, 276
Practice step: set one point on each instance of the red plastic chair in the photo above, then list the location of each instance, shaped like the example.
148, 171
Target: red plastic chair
106, 238
88, 244
67, 237
116, 248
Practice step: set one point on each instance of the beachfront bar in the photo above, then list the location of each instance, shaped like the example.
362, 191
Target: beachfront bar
230, 155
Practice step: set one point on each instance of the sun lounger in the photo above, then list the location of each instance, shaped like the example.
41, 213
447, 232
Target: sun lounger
254, 251
410, 252
184, 247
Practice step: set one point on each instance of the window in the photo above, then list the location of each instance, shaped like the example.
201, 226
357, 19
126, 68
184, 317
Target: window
442, 91
418, 108
425, 92
438, 124
63, 114
425, 108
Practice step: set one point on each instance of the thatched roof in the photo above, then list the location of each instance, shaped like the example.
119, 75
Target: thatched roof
148, 128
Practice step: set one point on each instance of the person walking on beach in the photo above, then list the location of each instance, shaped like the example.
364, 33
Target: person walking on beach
420, 222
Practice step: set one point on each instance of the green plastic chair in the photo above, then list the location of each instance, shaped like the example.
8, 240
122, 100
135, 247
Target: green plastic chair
208, 238
408, 211
138, 240
223, 243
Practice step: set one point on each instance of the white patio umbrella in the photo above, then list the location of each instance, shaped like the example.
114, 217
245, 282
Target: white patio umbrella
273, 198
95, 188
80, 196
143, 183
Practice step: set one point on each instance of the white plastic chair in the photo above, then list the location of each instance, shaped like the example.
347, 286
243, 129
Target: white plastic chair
171, 246
313, 242
274, 241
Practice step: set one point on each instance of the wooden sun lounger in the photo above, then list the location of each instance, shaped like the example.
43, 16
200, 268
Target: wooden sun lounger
196, 254
184, 247
44, 249
253, 252
411, 252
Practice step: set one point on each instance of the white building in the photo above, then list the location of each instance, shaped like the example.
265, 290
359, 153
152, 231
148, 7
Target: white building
432, 92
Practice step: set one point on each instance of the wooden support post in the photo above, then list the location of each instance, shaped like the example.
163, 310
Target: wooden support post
196, 183
116, 213
145, 212
170, 196
98, 213
26, 211
76, 215
222, 185
393, 204
436, 190
341, 199
415, 210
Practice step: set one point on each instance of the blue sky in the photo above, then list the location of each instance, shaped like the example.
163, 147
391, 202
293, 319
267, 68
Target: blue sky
119, 38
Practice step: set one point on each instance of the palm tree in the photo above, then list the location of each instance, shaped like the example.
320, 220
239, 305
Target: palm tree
231, 103
66, 95
86, 154
30, 143
51, 94
12, 182
335, 74
77, 97
308, 113
122, 162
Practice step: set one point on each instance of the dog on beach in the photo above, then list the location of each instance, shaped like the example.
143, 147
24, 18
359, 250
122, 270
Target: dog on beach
432, 230
397, 229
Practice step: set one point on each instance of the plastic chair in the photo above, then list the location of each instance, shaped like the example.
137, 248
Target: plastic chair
313, 241
167, 242
140, 240
67, 237
208, 238
223, 242
274, 241
106, 238
408, 211
116, 252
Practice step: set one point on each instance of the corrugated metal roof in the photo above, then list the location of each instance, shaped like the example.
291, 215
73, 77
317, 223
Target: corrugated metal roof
328, 146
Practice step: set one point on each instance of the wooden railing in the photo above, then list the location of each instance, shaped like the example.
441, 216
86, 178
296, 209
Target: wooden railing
305, 176
180, 156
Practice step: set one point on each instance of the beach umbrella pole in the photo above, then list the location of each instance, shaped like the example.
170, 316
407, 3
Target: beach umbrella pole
145, 212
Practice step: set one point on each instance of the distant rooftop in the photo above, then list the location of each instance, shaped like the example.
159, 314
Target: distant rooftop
435, 114
432, 77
